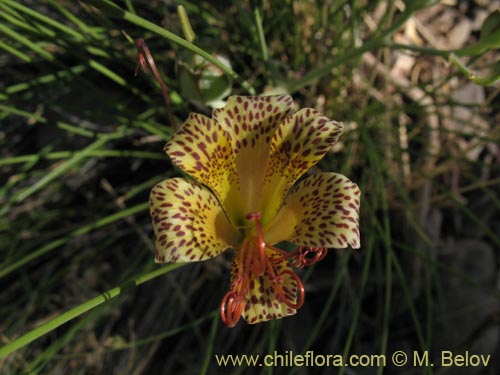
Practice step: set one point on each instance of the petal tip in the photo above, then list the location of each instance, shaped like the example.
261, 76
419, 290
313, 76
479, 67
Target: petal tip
355, 245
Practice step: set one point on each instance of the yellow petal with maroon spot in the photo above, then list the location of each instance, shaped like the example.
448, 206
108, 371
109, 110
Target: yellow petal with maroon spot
188, 221
321, 211
298, 144
202, 149
250, 122
262, 302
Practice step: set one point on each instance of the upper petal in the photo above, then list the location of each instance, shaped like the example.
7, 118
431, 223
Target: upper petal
250, 122
202, 149
321, 211
298, 144
188, 222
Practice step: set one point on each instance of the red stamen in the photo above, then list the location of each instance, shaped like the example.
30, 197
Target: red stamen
322, 254
277, 280
260, 267
281, 294
237, 282
253, 262
244, 267
301, 257
285, 255
231, 313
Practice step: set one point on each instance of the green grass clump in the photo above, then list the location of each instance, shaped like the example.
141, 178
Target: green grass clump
81, 147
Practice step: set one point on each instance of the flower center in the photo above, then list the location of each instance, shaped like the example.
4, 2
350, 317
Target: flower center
255, 259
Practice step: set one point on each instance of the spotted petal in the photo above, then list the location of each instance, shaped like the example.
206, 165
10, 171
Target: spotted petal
202, 149
298, 144
321, 211
261, 302
188, 222
250, 122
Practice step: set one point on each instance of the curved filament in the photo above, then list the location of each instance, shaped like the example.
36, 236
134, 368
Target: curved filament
302, 257
231, 308
281, 294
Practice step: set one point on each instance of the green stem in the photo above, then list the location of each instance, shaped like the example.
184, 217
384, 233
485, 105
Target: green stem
45, 19
11, 110
83, 308
20, 38
45, 79
326, 311
210, 346
359, 301
15, 52
260, 33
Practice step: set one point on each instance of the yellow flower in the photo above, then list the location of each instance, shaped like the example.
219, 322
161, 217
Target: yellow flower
246, 159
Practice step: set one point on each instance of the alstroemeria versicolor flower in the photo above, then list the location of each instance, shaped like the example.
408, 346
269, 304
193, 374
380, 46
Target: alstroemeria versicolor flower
246, 159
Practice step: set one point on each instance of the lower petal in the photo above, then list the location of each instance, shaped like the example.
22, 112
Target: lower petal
262, 302
321, 211
188, 222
